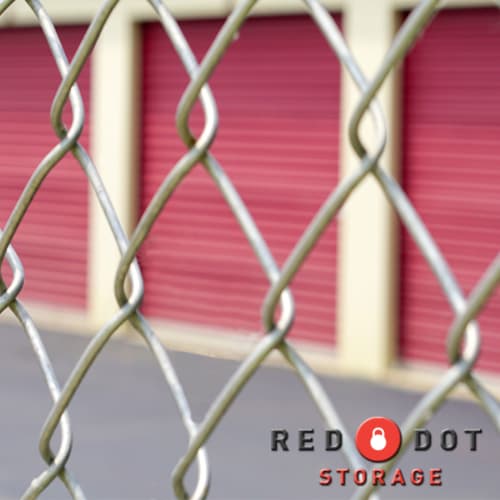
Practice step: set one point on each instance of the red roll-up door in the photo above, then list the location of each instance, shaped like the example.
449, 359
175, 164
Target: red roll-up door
277, 91
52, 239
451, 171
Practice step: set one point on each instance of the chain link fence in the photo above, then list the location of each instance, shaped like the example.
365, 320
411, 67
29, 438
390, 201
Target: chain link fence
464, 336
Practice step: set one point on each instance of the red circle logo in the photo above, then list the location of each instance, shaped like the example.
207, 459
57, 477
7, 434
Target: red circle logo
378, 439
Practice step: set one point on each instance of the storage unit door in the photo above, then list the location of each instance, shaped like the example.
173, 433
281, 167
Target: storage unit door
277, 91
52, 238
451, 170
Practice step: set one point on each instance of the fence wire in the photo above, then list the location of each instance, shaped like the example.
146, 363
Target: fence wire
463, 336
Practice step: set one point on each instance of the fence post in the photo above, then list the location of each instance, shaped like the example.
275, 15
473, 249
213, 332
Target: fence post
368, 253
114, 143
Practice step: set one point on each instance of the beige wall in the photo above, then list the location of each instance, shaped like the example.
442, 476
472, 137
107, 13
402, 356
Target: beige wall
367, 295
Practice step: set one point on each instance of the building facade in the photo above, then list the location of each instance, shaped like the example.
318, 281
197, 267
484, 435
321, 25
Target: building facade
367, 303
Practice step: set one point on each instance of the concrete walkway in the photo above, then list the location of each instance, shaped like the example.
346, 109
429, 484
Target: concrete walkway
127, 435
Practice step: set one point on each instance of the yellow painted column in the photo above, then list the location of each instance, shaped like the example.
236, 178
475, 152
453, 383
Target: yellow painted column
115, 101
368, 254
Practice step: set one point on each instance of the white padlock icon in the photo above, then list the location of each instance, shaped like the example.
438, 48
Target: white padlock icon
378, 441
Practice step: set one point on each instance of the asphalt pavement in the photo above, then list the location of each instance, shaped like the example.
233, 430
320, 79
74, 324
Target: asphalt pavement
128, 436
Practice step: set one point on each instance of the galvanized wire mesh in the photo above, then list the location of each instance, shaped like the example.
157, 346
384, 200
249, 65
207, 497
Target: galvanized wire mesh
464, 334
